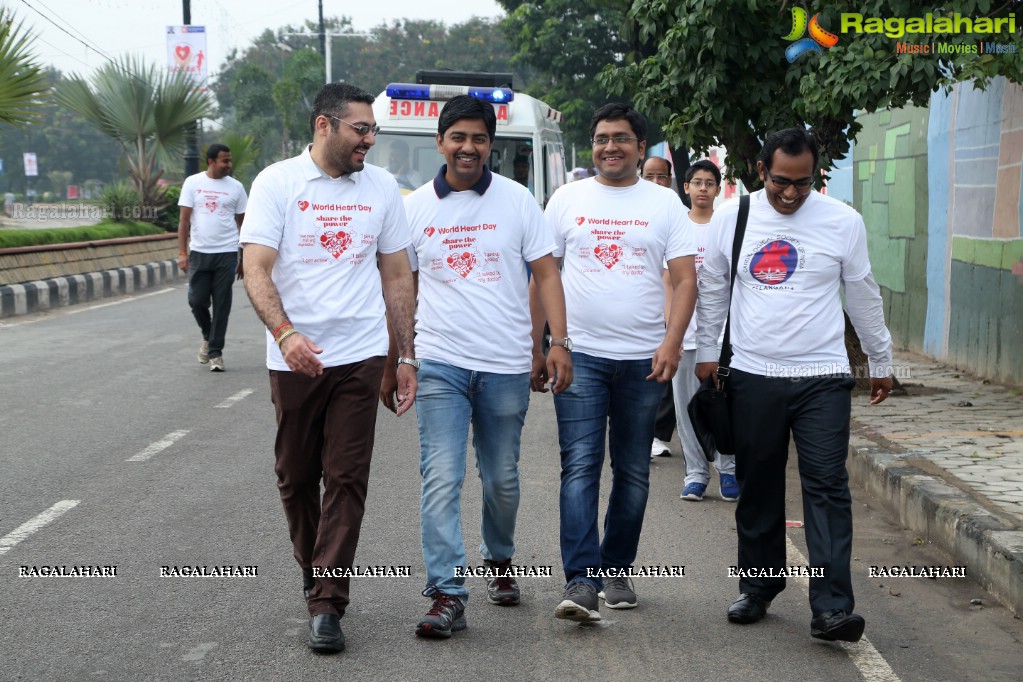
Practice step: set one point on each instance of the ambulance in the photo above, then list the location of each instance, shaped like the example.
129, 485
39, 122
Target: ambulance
527, 147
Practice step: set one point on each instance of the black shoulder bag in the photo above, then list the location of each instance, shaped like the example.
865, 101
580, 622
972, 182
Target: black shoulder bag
708, 408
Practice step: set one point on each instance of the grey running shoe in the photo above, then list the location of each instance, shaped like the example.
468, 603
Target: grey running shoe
619, 593
502, 589
578, 603
216, 364
203, 356
446, 615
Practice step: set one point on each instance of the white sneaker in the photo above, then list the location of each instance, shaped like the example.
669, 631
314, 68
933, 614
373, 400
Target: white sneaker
203, 356
660, 449
217, 364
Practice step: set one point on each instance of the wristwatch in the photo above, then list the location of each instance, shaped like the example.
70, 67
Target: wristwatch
409, 361
566, 343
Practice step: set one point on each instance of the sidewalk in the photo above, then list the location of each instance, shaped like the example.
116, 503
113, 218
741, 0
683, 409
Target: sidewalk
947, 461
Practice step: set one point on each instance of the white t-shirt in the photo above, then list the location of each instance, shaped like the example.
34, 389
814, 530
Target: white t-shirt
700, 234
327, 233
471, 250
214, 205
615, 241
786, 308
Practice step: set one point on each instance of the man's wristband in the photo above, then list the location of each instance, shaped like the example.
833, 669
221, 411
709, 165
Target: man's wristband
280, 339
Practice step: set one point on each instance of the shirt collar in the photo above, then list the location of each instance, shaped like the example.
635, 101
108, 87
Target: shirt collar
311, 171
442, 188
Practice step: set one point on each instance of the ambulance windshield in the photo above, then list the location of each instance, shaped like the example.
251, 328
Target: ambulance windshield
413, 159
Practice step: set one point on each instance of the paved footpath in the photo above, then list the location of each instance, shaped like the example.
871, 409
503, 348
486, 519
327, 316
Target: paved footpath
947, 459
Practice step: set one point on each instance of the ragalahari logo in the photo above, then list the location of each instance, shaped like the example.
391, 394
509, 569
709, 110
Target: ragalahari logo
818, 36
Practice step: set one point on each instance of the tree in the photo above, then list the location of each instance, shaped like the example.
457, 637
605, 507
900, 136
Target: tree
22, 81
719, 74
146, 111
568, 43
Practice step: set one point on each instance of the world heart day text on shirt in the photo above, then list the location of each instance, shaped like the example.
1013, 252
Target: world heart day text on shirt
605, 247
336, 237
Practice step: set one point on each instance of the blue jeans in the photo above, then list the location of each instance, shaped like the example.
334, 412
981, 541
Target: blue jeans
449, 398
613, 395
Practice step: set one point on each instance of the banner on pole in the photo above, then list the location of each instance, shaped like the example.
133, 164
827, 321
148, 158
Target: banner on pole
31, 165
186, 52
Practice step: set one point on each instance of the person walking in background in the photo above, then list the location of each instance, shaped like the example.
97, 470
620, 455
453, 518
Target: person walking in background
702, 184
212, 209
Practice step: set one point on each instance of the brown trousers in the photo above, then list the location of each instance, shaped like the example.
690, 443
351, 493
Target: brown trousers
325, 429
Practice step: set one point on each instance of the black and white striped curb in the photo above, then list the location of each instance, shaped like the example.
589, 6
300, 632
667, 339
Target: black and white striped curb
30, 297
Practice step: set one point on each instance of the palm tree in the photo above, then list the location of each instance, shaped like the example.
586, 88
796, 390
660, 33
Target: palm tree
148, 112
22, 81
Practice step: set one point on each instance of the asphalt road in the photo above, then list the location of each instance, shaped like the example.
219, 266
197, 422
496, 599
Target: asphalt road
89, 387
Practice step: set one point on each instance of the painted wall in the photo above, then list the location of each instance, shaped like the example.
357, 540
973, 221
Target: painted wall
940, 191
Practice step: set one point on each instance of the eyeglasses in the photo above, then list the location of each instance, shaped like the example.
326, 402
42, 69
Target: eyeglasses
602, 141
656, 177
782, 183
700, 184
363, 129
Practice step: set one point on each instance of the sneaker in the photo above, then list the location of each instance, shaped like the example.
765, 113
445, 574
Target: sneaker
660, 449
203, 356
619, 593
693, 491
578, 603
502, 590
446, 615
729, 488
216, 364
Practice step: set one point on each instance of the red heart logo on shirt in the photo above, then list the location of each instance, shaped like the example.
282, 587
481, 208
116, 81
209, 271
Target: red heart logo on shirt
336, 243
303, 205
608, 254
462, 263
580, 220
429, 231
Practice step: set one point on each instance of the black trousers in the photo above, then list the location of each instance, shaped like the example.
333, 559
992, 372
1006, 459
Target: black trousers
211, 278
815, 410
664, 425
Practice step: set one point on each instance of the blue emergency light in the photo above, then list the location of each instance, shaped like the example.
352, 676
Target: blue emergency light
446, 92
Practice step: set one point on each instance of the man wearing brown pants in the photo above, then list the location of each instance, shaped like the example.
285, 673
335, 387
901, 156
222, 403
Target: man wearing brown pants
317, 226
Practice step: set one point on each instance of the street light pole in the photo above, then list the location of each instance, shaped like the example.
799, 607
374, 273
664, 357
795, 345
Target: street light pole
327, 55
191, 134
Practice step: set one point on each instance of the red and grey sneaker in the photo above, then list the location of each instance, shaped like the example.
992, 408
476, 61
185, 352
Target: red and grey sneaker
446, 615
502, 588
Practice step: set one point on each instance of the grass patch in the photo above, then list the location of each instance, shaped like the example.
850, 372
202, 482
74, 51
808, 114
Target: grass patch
66, 235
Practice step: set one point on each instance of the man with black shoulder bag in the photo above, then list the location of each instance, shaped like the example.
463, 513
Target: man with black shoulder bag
789, 373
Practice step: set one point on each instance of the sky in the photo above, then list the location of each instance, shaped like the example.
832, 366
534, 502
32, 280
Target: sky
138, 27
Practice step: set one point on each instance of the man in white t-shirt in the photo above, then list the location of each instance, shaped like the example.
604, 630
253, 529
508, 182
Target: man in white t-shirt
212, 208
702, 184
473, 234
614, 233
790, 373
326, 240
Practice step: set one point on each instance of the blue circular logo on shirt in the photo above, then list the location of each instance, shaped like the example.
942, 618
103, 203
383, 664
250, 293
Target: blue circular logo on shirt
774, 263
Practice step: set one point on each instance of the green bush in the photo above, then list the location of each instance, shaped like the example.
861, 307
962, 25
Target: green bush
68, 235
121, 202
172, 212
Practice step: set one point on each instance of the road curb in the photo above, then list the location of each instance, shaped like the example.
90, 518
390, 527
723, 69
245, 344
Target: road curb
989, 546
31, 297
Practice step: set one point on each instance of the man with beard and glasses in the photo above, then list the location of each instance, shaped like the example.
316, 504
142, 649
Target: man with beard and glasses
326, 240
212, 209
614, 234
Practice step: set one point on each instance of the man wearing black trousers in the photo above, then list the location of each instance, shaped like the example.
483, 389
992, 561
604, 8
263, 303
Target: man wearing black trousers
790, 374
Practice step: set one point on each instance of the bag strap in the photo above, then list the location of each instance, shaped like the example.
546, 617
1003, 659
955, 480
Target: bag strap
740, 231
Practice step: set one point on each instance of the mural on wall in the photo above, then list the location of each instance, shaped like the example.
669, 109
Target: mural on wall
940, 191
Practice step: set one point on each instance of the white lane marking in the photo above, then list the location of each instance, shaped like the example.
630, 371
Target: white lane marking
32, 525
156, 447
864, 656
127, 299
240, 395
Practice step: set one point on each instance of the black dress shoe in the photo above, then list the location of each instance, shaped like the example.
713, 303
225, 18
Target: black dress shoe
325, 633
837, 625
748, 608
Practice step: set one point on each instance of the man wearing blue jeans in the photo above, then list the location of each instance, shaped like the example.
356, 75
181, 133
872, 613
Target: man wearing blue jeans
614, 234
473, 233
